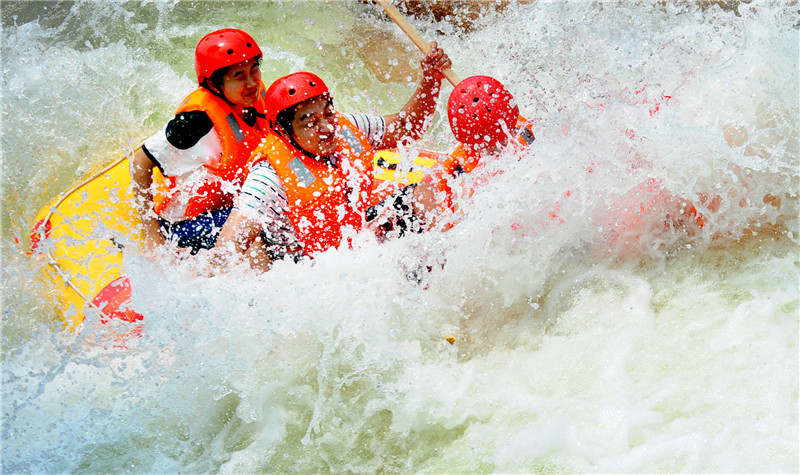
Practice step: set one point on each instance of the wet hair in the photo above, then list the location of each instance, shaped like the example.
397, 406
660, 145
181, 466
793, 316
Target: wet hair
215, 81
285, 118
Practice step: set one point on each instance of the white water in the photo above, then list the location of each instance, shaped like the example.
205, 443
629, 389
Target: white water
579, 347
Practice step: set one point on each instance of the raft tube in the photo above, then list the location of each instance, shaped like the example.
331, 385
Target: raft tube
81, 235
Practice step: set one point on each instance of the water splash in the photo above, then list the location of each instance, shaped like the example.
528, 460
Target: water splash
597, 328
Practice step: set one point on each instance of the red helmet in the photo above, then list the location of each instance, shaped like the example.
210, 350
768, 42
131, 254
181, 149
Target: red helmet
291, 90
476, 108
223, 48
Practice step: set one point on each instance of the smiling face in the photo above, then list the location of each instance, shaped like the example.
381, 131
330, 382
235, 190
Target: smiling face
240, 83
314, 126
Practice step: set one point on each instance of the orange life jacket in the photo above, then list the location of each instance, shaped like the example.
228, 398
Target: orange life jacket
238, 142
324, 200
465, 160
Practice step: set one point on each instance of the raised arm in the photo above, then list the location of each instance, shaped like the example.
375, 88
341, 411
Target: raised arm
414, 118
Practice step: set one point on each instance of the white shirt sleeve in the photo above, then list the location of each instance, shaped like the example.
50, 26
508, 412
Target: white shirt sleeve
373, 126
176, 162
263, 199
184, 165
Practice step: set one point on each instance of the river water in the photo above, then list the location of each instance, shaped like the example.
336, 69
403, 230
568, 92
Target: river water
599, 325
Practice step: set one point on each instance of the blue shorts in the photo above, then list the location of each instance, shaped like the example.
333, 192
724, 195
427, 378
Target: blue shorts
196, 233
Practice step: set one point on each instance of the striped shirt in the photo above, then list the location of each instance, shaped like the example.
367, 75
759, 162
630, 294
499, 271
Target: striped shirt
263, 199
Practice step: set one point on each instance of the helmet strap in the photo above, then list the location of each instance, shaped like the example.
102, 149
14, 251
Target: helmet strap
250, 115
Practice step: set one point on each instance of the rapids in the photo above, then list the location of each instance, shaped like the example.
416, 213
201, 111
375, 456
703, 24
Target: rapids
592, 333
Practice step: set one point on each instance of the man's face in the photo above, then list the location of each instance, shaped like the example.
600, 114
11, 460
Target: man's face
314, 126
240, 82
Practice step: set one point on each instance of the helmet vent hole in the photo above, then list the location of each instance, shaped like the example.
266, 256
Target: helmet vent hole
292, 91
230, 51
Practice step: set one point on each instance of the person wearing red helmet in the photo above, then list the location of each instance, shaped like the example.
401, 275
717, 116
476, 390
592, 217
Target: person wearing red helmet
483, 116
186, 176
310, 183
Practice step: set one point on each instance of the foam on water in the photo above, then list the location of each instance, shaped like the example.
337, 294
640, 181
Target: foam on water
599, 327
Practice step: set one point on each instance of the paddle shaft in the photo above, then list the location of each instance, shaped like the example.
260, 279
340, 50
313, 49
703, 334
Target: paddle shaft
414, 35
418, 40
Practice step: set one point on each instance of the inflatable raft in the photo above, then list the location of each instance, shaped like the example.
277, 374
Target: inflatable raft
80, 238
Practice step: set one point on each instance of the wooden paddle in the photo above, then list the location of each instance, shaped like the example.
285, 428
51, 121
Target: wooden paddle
414, 35
418, 40
425, 47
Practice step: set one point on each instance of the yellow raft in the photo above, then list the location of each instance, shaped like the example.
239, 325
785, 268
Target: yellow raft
81, 235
